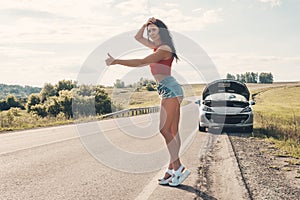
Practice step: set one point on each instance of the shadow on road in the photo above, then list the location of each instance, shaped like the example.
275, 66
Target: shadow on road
232, 132
197, 192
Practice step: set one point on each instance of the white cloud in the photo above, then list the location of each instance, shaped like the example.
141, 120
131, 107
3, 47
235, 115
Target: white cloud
66, 8
197, 10
76, 21
273, 3
60, 21
13, 52
177, 20
171, 13
132, 7
172, 5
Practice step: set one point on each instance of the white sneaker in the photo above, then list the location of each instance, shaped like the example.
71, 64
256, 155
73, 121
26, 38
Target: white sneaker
163, 181
179, 176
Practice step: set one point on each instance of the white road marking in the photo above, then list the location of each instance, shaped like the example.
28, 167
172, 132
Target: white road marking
148, 189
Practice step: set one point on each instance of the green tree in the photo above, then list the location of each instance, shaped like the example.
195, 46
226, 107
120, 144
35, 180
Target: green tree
238, 77
265, 77
53, 108
4, 105
17, 90
119, 84
102, 101
65, 85
12, 101
230, 76
243, 78
254, 77
85, 90
83, 105
65, 102
47, 91
39, 109
33, 99
248, 77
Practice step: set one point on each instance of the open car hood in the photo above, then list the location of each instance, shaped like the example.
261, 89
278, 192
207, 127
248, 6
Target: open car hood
226, 86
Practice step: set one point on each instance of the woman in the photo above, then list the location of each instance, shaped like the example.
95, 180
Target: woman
160, 62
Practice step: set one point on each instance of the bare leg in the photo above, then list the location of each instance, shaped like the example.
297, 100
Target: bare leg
174, 130
169, 120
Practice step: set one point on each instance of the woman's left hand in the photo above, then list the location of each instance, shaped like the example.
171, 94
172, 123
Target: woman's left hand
109, 60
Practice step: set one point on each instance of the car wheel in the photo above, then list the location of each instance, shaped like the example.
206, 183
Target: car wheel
202, 128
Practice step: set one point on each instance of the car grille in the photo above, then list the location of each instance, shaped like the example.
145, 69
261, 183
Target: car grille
226, 119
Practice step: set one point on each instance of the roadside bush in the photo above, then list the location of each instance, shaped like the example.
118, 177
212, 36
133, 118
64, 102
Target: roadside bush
65, 102
53, 107
83, 106
10, 118
102, 101
12, 101
39, 110
33, 100
15, 111
4, 105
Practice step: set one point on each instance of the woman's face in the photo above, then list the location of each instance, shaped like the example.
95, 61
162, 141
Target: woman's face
153, 31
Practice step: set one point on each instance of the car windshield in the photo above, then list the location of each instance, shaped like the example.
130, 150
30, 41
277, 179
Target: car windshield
226, 99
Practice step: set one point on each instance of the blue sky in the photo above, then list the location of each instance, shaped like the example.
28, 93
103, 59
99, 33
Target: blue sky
46, 41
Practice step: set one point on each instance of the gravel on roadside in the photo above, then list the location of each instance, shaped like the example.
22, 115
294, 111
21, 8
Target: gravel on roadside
267, 175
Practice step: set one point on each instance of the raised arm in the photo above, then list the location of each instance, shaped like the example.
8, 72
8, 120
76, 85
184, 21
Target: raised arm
160, 54
140, 35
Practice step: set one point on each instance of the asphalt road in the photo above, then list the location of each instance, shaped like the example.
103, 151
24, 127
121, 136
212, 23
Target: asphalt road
110, 159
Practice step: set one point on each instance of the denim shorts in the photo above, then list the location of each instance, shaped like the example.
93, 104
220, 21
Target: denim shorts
169, 88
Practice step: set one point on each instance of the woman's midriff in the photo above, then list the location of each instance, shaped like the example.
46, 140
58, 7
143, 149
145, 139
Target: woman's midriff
159, 77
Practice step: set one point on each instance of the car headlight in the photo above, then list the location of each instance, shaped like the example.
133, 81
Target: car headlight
247, 109
207, 109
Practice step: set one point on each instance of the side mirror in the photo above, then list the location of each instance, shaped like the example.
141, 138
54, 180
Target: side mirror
252, 102
198, 102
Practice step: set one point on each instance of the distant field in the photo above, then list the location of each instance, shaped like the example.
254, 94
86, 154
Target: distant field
128, 98
125, 98
282, 101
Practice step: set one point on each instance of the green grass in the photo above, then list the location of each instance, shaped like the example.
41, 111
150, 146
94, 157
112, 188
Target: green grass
125, 98
19, 120
277, 117
289, 148
283, 102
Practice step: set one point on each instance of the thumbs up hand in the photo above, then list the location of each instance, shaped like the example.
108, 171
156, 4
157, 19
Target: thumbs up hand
110, 60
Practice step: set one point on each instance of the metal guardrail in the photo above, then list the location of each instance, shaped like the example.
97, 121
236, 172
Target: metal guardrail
132, 112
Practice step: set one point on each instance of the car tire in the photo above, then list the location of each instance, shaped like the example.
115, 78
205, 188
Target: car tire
202, 128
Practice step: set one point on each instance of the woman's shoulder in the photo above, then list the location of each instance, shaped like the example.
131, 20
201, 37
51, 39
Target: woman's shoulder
164, 47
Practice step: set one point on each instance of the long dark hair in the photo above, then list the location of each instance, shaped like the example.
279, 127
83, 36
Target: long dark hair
165, 36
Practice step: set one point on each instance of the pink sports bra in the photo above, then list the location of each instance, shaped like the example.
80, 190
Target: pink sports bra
162, 67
